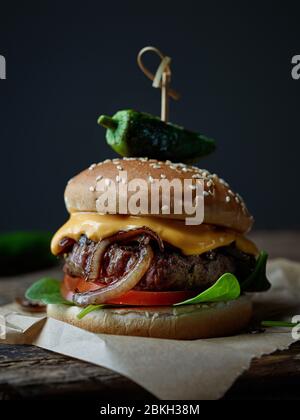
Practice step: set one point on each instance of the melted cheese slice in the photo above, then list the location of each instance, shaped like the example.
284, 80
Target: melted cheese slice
191, 240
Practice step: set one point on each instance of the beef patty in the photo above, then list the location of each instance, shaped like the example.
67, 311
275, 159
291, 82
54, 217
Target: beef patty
170, 269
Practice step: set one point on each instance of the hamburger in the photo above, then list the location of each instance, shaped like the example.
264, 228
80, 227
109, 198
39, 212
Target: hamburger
138, 275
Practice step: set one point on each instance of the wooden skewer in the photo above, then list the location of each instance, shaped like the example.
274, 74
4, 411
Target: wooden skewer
165, 96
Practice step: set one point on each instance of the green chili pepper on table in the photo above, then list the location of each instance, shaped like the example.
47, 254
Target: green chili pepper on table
133, 134
22, 252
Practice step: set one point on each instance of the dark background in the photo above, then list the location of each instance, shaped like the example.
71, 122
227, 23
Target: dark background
66, 64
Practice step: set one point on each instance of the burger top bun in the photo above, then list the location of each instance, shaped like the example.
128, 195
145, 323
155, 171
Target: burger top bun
222, 207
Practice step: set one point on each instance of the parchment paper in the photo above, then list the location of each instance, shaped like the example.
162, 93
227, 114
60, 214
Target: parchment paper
172, 369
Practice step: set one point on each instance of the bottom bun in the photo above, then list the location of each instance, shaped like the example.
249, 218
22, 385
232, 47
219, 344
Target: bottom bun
183, 322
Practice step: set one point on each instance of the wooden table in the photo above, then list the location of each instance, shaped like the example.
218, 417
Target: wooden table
27, 372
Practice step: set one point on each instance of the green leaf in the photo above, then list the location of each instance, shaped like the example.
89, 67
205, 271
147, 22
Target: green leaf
46, 290
225, 289
88, 309
257, 281
279, 324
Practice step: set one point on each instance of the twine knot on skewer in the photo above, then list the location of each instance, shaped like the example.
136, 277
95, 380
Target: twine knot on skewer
161, 79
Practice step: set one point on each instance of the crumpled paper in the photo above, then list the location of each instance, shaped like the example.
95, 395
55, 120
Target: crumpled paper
172, 369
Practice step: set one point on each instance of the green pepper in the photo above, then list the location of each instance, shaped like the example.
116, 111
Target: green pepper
22, 252
133, 134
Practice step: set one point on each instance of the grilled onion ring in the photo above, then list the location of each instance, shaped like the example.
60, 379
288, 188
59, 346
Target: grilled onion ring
94, 262
120, 286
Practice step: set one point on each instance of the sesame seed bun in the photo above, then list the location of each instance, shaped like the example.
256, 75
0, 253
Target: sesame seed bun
182, 323
222, 207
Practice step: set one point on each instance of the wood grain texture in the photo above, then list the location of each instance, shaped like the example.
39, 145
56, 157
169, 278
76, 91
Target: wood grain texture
27, 372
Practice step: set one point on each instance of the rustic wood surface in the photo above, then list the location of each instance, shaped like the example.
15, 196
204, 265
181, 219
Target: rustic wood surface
27, 372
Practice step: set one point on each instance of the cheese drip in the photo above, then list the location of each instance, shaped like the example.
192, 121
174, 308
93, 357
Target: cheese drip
191, 240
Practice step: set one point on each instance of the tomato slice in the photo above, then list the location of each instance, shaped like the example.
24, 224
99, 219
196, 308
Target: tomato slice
131, 298
142, 298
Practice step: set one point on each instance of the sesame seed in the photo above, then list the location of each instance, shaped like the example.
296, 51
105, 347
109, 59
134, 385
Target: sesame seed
196, 176
156, 166
212, 192
205, 193
150, 178
107, 182
107, 161
209, 183
123, 181
92, 189
192, 187
163, 176
184, 169
240, 198
119, 167
99, 177
230, 192
237, 199
118, 178
93, 166
168, 162
228, 199
70, 180
165, 208
223, 182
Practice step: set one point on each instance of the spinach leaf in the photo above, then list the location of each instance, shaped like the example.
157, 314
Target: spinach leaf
88, 309
279, 324
225, 289
257, 281
46, 290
